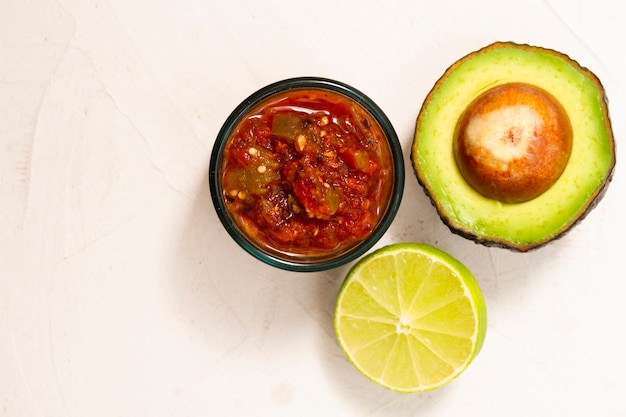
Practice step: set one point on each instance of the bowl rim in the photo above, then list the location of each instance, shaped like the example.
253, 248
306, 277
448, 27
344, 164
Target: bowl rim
279, 87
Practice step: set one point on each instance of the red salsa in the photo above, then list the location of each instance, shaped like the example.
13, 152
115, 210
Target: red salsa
307, 172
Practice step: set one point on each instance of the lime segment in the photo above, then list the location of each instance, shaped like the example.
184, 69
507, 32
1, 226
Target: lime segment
410, 317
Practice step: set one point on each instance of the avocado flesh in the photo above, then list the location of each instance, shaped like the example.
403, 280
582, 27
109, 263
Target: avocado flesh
527, 225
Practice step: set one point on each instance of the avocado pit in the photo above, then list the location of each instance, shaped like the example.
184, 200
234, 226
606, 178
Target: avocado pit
513, 142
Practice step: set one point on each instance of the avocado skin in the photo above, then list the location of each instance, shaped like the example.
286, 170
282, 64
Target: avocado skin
592, 202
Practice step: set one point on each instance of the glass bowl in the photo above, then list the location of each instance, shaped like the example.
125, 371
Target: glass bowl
306, 174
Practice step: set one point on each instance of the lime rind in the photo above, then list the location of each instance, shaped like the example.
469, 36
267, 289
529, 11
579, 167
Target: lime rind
410, 323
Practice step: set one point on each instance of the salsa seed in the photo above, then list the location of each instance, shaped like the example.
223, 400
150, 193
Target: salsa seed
261, 169
327, 185
300, 141
234, 192
241, 195
322, 133
324, 121
253, 151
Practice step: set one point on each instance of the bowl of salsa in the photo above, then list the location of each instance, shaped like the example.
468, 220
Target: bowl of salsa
306, 174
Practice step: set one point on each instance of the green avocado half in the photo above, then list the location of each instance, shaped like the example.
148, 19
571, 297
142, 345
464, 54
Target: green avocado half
579, 186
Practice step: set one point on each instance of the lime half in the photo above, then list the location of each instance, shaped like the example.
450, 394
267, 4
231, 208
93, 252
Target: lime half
410, 317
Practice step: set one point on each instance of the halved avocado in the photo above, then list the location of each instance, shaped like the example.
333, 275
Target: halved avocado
529, 129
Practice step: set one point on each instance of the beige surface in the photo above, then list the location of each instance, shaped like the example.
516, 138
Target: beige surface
122, 295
